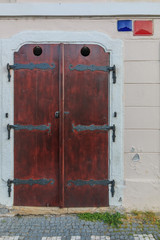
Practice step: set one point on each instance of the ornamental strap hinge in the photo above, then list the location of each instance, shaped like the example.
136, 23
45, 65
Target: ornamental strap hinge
28, 127
92, 183
29, 66
31, 182
92, 127
92, 68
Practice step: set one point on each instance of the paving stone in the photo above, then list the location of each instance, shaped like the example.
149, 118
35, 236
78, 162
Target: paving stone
143, 237
70, 227
9, 238
76, 238
100, 237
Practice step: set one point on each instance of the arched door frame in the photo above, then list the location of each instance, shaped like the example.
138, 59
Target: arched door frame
7, 49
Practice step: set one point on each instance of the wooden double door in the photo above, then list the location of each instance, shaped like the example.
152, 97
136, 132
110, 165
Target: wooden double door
60, 123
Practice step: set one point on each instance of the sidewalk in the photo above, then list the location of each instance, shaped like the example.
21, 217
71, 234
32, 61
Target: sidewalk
70, 227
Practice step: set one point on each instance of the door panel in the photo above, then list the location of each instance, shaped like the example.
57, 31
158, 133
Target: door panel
36, 152
65, 161
85, 151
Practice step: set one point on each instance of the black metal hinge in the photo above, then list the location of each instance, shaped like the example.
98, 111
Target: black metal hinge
31, 182
30, 66
114, 132
28, 127
9, 184
81, 67
113, 69
112, 187
105, 127
9, 67
91, 182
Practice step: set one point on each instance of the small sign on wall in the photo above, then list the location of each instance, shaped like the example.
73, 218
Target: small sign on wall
140, 27
143, 28
124, 25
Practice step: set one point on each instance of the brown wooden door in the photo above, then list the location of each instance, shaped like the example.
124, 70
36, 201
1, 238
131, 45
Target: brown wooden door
86, 146
61, 161
35, 103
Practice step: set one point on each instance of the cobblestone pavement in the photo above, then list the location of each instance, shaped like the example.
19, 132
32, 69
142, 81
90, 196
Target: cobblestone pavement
70, 227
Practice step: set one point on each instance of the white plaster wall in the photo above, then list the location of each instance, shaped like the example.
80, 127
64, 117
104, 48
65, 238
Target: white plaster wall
141, 100
10, 26
142, 123
80, 8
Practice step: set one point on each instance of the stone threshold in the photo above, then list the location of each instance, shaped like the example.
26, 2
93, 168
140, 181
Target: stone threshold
19, 210
23, 210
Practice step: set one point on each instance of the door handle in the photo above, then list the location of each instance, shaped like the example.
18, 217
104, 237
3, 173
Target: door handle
57, 114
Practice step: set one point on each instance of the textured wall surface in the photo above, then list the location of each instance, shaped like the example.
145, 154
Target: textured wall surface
142, 123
